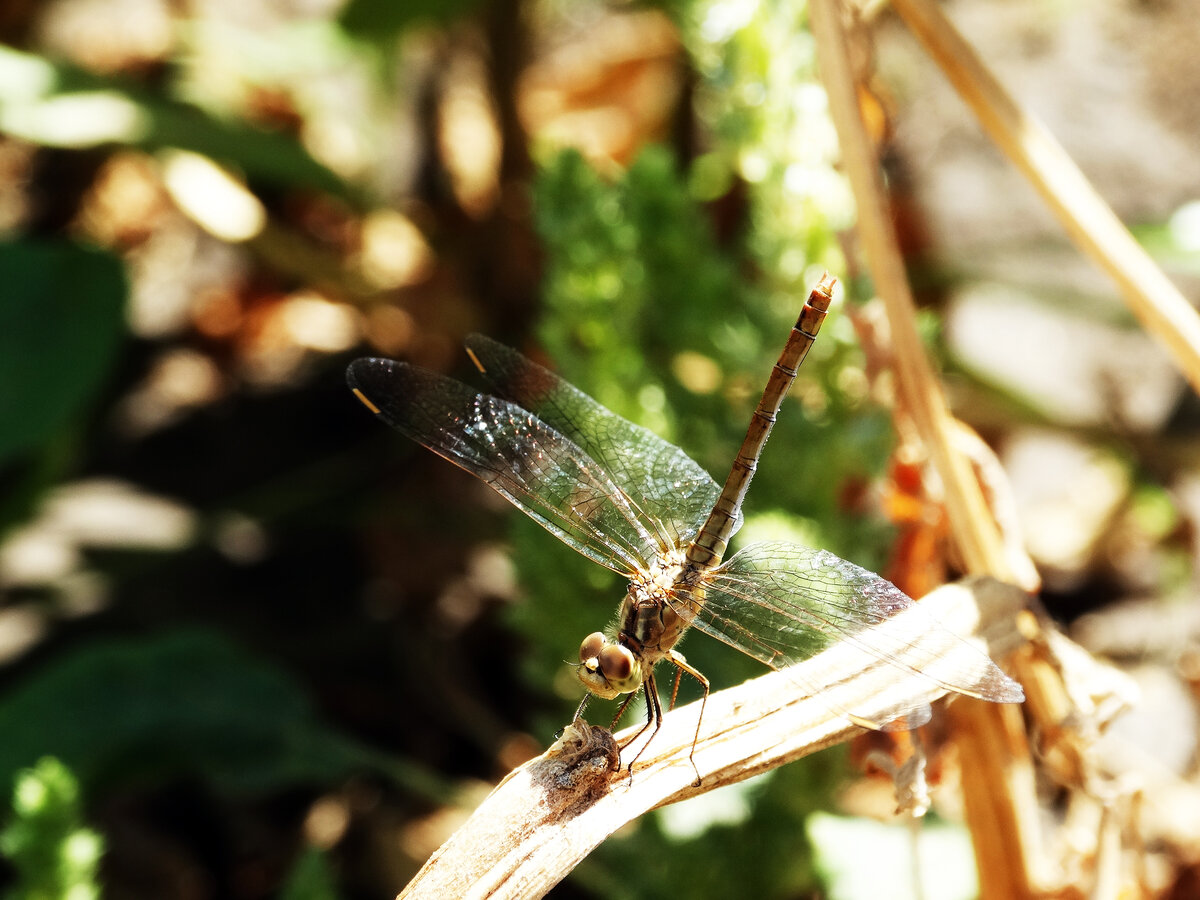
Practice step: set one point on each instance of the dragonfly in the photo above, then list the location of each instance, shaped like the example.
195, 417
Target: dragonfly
631, 501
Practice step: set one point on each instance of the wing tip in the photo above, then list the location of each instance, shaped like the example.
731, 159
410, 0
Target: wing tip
996, 687
365, 377
358, 371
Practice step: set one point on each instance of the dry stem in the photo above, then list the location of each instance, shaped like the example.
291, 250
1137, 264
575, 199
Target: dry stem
546, 816
1088, 220
1001, 802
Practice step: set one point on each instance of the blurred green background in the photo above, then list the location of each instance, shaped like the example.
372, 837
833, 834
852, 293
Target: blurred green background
253, 644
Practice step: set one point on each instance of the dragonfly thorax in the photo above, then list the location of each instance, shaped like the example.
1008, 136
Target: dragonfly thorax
648, 621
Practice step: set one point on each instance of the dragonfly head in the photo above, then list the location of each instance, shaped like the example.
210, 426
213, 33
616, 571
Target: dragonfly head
606, 668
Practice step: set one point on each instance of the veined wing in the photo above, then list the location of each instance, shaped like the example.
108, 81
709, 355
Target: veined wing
782, 603
667, 485
541, 472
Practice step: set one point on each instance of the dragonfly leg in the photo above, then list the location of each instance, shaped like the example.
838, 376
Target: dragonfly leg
583, 705
681, 666
654, 716
621, 711
675, 687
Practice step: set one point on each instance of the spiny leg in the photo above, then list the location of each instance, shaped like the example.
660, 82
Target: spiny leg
654, 716
681, 666
675, 687
583, 705
621, 711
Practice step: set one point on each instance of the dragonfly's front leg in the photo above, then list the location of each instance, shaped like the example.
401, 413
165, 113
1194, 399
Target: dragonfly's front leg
621, 711
587, 695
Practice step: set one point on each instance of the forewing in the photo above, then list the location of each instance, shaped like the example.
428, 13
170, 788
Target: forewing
666, 484
783, 603
540, 471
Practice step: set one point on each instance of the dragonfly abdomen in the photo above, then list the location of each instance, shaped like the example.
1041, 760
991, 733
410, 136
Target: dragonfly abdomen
709, 545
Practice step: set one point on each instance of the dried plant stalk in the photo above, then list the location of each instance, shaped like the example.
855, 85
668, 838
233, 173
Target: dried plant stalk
1008, 857
920, 391
546, 816
1088, 220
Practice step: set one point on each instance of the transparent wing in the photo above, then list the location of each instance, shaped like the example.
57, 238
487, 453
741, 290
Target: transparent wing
666, 484
783, 603
543, 473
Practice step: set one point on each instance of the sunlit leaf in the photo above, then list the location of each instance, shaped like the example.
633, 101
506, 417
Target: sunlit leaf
45, 840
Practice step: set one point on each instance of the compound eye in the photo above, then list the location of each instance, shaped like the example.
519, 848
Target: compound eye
591, 646
616, 662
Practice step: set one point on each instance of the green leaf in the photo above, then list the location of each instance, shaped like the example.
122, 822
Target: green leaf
61, 322
271, 157
59, 105
186, 703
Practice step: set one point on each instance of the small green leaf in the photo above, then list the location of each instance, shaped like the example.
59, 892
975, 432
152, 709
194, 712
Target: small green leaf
45, 841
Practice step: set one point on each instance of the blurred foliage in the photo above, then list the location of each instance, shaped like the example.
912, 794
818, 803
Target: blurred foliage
760, 96
59, 105
186, 703
312, 878
379, 19
55, 855
61, 324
